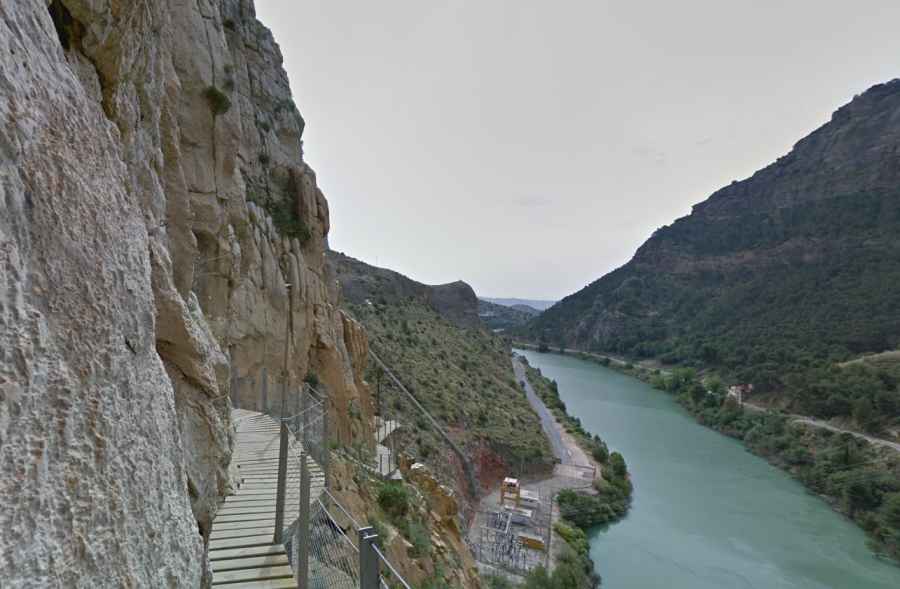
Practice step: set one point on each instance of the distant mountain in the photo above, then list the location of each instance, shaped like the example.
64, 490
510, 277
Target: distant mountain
772, 279
501, 317
361, 283
536, 304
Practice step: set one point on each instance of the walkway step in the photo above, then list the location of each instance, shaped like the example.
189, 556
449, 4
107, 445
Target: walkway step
245, 517
244, 510
259, 574
219, 534
246, 552
250, 562
268, 584
240, 525
246, 541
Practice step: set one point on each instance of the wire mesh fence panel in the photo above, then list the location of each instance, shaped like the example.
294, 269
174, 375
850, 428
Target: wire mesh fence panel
313, 421
339, 513
333, 559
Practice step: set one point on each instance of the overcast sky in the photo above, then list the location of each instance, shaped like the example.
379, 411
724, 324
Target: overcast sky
529, 147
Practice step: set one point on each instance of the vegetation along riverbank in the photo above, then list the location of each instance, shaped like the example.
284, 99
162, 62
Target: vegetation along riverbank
855, 477
606, 502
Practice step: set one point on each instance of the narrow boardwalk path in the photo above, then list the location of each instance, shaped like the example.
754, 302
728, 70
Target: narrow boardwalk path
385, 459
242, 553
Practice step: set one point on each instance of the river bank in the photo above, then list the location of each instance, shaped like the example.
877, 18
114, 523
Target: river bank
706, 514
862, 486
588, 486
565, 448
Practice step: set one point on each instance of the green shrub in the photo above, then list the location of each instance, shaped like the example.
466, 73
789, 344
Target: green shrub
420, 538
892, 510
394, 499
574, 537
599, 450
218, 101
617, 462
287, 220
497, 582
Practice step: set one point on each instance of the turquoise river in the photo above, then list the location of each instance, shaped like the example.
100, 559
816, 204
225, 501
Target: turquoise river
707, 514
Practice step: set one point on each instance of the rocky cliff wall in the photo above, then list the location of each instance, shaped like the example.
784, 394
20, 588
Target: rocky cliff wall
155, 206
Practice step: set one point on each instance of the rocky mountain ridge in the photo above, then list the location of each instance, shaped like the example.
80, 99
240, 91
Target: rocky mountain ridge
361, 282
772, 280
536, 304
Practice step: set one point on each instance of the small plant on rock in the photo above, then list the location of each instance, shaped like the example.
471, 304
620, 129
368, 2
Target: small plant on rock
218, 101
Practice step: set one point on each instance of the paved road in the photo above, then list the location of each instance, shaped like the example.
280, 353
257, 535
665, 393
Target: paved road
548, 422
825, 425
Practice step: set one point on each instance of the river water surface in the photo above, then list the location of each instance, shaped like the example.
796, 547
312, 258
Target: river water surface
707, 514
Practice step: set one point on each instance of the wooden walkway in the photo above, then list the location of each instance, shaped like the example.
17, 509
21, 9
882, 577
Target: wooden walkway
242, 553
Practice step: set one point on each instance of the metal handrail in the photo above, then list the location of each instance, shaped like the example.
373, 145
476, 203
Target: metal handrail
306, 432
296, 415
341, 507
390, 567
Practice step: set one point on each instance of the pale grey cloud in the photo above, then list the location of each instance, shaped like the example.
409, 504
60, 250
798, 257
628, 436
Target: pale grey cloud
531, 201
647, 152
423, 118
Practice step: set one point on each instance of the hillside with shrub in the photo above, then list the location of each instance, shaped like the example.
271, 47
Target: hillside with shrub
503, 318
777, 280
458, 370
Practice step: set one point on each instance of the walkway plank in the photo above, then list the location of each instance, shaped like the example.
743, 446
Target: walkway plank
241, 551
253, 562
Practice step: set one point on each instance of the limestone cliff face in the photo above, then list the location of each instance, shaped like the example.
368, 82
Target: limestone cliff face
155, 204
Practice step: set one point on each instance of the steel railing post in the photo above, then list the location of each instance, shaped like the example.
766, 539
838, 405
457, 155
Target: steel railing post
304, 432
235, 395
323, 443
298, 403
282, 482
303, 527
368, 559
